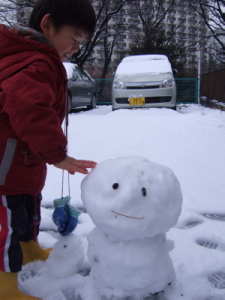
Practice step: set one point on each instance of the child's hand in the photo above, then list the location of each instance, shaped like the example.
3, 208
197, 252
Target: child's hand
73, 165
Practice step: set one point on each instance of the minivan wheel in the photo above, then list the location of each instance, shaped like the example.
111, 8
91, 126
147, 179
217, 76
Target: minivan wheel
93, 102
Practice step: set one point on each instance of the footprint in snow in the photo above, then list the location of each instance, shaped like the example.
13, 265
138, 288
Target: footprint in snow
191, 223
215, 217
195, 222
217, 280
210, 244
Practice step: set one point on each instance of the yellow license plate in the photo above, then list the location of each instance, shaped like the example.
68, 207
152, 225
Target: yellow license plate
137, 101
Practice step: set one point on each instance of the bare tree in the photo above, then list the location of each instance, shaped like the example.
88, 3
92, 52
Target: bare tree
212, 12
113, 24
7, 12
153, 13
13, 11
110, 24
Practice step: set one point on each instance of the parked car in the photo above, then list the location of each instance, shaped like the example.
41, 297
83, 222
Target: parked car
144, 81
82, 89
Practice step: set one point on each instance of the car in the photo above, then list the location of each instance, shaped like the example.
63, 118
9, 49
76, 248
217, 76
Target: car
144, 81
82, 88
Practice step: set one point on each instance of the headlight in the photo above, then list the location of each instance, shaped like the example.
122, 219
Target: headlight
169, 82
117, 84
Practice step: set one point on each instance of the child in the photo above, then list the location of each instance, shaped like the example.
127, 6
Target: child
33, 101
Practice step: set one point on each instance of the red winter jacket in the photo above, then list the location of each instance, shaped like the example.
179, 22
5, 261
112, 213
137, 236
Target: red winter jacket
32, 108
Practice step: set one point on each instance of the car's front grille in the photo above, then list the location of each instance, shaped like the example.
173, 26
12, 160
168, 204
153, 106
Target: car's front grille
147, 100
142, 87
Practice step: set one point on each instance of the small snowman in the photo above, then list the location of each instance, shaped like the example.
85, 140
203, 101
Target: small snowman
133, 203
66, 257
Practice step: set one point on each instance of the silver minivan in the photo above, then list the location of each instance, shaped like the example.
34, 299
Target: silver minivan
144, 81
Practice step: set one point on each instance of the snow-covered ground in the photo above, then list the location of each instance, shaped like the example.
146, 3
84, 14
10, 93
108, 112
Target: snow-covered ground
190, 141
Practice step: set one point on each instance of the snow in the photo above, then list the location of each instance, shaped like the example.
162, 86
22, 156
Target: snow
133, 202
144, 64
69, 69
190, 141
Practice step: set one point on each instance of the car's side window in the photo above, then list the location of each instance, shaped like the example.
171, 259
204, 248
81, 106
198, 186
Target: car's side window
76, 75
84, 76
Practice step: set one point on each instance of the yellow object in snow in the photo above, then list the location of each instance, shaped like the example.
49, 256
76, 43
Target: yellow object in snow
32, 251
9, 288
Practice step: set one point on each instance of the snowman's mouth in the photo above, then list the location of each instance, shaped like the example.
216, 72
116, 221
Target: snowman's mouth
126, 215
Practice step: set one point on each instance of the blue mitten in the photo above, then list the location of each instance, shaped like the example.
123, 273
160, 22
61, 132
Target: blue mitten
65, 216
72, 221
60, 215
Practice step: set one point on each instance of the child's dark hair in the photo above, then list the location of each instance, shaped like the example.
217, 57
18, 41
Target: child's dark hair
77, 13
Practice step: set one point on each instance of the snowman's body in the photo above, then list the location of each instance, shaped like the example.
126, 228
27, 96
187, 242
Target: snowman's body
132, 202
66, 257
135, 274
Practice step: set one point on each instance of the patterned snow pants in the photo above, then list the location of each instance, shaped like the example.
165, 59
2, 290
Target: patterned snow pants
19, 221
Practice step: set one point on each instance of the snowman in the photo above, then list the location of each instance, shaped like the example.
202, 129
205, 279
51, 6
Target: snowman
133, 203
67, 256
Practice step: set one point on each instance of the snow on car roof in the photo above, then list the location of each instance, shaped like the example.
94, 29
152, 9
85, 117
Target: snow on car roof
69, 68
145, 57
148, 64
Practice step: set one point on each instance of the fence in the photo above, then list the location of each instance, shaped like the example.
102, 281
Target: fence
187, 90
213, 85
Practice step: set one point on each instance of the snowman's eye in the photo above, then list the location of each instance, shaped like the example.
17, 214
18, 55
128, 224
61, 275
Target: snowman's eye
115, 186
144, 191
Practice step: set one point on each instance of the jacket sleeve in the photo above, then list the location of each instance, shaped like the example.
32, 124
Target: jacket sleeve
35, 110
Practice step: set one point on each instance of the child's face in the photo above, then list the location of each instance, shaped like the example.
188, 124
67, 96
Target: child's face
65, 40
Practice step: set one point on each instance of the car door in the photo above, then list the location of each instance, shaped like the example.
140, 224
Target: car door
76, 87
87, 87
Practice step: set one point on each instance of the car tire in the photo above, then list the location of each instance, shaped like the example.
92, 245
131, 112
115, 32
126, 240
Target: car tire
93, 102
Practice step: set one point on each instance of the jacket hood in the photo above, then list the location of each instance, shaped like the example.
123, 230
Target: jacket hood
20, 45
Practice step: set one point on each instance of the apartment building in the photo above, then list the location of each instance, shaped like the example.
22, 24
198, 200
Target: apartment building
191, 32
186, 24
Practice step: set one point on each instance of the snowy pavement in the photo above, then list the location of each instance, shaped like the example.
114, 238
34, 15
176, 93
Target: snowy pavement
190, 141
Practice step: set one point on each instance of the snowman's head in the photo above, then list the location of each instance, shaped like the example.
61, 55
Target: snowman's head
67, 246
131, 197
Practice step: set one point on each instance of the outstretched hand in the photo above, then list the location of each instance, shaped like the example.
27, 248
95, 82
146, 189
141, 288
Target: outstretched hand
73, 165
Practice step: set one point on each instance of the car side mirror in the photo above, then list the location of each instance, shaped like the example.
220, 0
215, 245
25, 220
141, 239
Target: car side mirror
175, 72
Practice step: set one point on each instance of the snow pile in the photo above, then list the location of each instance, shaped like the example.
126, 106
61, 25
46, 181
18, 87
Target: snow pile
132, 202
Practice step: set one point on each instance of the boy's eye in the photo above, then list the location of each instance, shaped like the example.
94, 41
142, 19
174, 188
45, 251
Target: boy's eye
75, 41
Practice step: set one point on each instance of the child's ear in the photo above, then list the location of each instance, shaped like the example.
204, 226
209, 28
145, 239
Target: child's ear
46, 24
